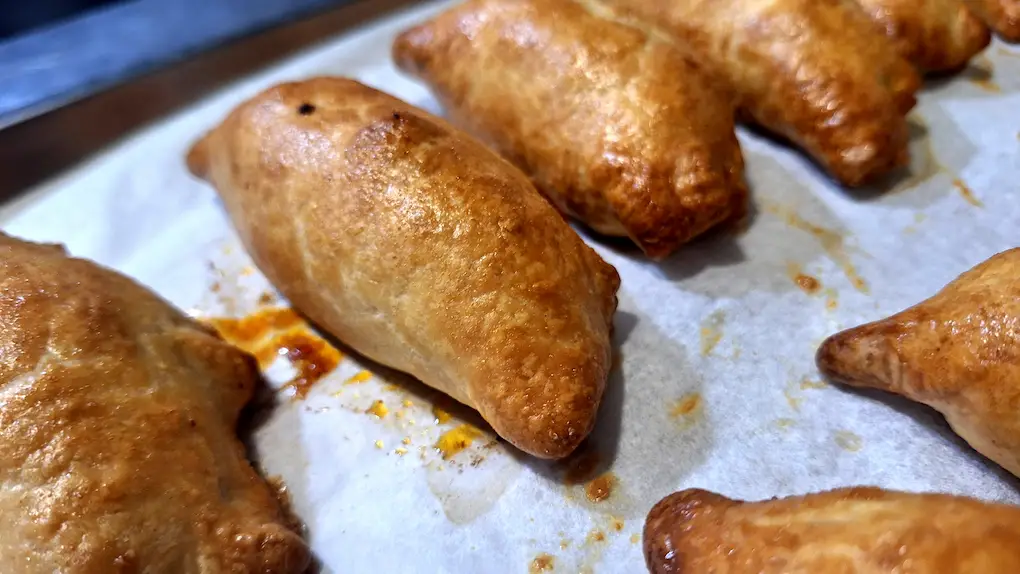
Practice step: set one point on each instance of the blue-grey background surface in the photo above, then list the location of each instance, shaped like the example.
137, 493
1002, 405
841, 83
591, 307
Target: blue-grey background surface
49, 66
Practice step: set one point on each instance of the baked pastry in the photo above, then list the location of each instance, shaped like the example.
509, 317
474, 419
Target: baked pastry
614, 124
813, 71
118, 450
1002, 15
957, 352
849, 530
936, 35
421, 249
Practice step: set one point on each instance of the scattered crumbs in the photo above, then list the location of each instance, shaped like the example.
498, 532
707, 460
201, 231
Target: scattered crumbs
596, 536
1006, 52
266, 298
359, 378
806, 283
390, 387
600, 488
542, 563
711, 331
406, 440
967, 194
378, 444
457, 439
215, 287
687, 410
831, 241
399, 414
919, 217
564, 544
401, 451
336, 393
617, 524
736, 353
809, 383
848, 441
378, 409
635, 538
407, 403
442, 417
785, 423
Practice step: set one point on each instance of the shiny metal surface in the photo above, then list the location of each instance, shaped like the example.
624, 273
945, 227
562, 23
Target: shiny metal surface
42, 147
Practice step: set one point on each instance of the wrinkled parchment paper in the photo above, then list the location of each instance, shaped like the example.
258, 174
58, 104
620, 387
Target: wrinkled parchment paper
714, 386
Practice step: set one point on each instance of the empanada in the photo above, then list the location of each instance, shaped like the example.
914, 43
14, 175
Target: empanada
845, 531
816, 72
421, 249
117, 432
1002, 15
957, 352
936, 35
614, 124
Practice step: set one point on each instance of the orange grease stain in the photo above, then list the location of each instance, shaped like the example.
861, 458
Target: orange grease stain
277, 332
542, 563
457, 439
358, 378
967, 194
600, 488
687, 409
248, 331
311, 356
831, 242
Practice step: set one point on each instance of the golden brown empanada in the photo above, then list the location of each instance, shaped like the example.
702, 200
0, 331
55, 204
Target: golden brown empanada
1002, 15
845, 531
614, 124
118, 447
423, 250
814, 71
936, 35
958, 352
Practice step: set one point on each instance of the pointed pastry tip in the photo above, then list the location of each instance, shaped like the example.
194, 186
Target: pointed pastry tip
198, 158
860, 357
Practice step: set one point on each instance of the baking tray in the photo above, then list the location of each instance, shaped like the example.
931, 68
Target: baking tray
714, 384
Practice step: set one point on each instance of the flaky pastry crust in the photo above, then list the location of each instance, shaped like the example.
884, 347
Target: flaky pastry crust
936, 35
414, 244
813, 71
615, 124
117, 432
957, 352
846, 531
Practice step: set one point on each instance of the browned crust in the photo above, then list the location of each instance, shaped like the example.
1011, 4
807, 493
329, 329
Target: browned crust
423, 250
118, 430
615, 124
1002, 15
936, 35
860, 530
958, 352
813, 71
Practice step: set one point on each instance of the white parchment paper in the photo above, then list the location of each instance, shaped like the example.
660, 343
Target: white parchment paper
715, 384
